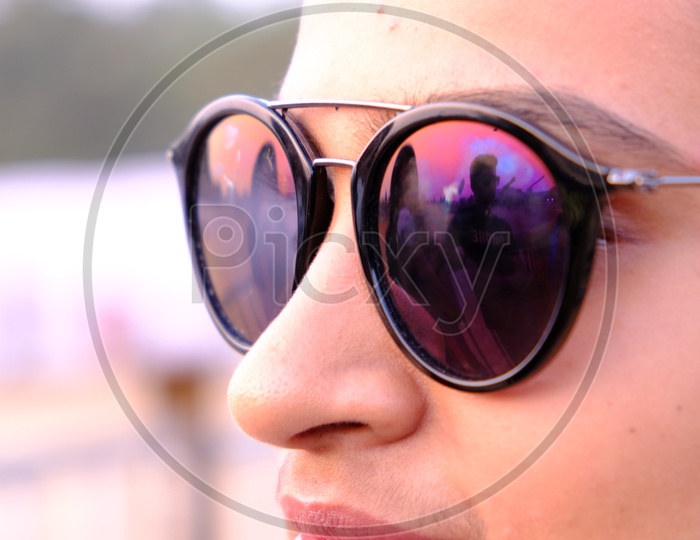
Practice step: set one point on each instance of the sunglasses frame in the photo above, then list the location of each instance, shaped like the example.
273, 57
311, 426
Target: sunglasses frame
572, 172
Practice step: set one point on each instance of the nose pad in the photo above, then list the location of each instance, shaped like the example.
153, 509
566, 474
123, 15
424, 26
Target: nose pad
318, 213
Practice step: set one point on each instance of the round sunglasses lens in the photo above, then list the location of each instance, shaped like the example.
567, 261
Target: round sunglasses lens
245, 225
475, 248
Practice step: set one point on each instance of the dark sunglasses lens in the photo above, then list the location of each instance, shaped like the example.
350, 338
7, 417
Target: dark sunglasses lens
475, 248
245, 225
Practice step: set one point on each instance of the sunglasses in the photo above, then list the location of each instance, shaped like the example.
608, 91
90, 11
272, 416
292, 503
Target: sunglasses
476, 230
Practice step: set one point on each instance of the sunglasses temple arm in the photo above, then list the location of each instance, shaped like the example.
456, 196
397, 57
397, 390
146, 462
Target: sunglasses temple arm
679, 180
647, 179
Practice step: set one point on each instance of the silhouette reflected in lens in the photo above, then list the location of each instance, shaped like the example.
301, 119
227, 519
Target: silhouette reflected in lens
482, 260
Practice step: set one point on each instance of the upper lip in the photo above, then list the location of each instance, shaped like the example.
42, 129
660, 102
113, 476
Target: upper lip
335, 521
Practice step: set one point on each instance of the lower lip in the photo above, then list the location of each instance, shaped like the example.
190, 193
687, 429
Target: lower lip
392, 537
340, 523
395, 536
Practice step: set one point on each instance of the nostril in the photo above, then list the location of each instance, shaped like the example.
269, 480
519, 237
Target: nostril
320, 432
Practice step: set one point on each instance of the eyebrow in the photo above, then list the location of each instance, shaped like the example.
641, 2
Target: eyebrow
578, 123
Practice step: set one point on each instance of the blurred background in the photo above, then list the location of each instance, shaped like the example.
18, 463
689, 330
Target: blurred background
88, 448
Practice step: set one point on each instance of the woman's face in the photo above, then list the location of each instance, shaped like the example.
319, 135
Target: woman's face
367, 437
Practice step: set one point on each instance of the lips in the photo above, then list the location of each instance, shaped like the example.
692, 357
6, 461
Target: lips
328, 522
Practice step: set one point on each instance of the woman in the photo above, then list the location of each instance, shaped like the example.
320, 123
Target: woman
382, 434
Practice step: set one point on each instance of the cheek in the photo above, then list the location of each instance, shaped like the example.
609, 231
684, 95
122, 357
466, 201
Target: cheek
509, 434
605, 434
629, 456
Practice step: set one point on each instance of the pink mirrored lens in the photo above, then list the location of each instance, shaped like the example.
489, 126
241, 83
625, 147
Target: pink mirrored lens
246, 221
475, 246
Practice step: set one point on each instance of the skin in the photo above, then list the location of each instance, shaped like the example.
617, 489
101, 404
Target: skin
361, 427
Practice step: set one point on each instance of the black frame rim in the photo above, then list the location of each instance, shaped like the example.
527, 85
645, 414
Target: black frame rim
569, 169
186, 153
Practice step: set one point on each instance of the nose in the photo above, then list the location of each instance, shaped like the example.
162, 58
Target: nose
326, 371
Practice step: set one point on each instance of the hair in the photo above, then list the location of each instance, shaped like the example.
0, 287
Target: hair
483, 163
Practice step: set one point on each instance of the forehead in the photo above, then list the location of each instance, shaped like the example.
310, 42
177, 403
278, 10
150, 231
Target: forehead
640, 64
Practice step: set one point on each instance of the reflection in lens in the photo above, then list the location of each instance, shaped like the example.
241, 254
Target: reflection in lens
246, 223
475, 247
223, 236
